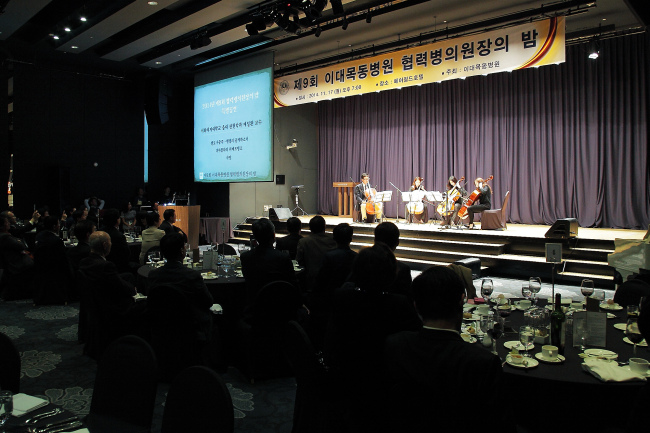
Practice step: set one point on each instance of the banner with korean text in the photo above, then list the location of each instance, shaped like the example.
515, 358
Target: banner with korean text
529, 45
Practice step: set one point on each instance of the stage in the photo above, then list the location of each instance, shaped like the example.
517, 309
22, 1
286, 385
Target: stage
517, 252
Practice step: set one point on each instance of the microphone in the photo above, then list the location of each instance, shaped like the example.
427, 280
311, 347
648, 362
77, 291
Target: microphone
351, 179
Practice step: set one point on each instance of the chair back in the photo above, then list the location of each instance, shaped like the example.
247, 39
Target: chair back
505, 204
227, 250
9, 365
276, 303
198, 401
125, 384
301, 354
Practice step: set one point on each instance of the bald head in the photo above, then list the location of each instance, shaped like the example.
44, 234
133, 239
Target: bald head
100, 243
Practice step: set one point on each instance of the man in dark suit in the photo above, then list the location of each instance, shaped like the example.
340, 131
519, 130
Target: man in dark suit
119, 252
360, 196
83, 230
19, 230
169, 217
290, 241
264, 264
311, 250
17, 264
188, 281
53, 277
388, 233
431, 371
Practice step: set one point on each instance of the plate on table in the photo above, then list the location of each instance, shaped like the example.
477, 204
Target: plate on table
560, 359
620, 326
467, 338
473, 318
563, 301
528, 363
611, 316
611, 307
627, 367
514, 344
517, 305
209, 276
601, 353
643, 343
468, 307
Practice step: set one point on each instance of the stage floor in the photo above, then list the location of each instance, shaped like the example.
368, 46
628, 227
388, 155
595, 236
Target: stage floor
513, 230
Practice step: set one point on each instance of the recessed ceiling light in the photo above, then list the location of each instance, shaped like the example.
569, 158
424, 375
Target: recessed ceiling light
67, 29
55, 37
82, 19
158, 63
74, 47
152, 3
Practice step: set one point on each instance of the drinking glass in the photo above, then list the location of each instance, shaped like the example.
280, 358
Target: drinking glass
587, 288
535, 284
526, 336
6, 406
486, 289
226, 263
633, 333
495, 329
632, 311
600, 295
526, 293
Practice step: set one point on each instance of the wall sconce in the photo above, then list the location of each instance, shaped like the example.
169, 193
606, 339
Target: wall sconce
293, 145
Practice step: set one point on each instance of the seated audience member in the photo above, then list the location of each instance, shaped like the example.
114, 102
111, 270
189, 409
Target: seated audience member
188, 281
290, 241
52, 274
141, 220
311, 249
430, 370
94, 203
119, 253
364, 313
169, 217
111, 292
264, 264
151, 236
388, 233
16, 281
78, 215
43, 212
83, 230
18, 230
127, 216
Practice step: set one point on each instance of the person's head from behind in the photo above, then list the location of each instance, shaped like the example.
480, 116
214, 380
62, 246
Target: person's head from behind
5, 224
342, 234
264, 232
9, 215
80, 214
100, 243
374, 269
387, 233
294, 225
153, 219
51, 223
111, 217
317, 224
83, 230
438, 293
172, 246
170, 216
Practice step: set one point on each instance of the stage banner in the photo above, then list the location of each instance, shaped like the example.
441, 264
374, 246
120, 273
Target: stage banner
528, 45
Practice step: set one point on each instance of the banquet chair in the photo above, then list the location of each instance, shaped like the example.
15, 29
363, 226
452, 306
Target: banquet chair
9, 365
125, 385
312, 391
495, 219
631, 292
226, 250
259, 351
198, 401
173, 332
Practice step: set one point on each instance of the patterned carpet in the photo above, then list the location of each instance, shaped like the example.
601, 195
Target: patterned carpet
54, 368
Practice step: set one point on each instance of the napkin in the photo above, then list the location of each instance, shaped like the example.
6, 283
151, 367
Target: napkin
608, 371
24, 403
83, 430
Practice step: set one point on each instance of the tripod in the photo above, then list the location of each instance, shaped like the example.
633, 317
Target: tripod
397, 203
297, 188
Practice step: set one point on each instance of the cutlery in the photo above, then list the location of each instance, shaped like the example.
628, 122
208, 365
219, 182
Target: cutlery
53, 425
66, 427
41, 416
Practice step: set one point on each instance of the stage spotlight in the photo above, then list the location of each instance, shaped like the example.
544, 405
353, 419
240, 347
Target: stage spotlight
251, 30
368, 17
593, 49
345, 23
317, 32
200, 41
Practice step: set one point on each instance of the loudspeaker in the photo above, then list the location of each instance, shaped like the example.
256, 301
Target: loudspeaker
279, 213
155, 100
279, 179
564, 228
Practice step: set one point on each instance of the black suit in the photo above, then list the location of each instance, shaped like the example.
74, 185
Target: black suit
17, 265
111, 293
359, 197
429, 375
77, 253
168, 228
120, 253
263, 265
53, 276
288, 243
189, 282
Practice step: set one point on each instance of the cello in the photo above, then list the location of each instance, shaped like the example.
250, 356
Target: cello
372, 207
462, 213
446, 207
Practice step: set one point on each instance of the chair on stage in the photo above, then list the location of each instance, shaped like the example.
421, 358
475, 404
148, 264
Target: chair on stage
495, 219
9, 365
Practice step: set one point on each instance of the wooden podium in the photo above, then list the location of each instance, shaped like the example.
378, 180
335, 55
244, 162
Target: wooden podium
346, 198
187, 219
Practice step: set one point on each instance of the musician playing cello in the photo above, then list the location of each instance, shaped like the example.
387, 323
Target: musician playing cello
361, 193
484, 201
452, 213
416, 209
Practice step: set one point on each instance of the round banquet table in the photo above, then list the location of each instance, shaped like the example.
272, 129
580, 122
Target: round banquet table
584, 401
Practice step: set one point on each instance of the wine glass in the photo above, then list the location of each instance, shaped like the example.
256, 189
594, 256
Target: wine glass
633, 333
526, 293
6, 406
486, 289
484, 324
495, 329
587, 288
526, 337
535, 284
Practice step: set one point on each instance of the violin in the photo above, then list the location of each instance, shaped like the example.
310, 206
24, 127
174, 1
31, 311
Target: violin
446, 207
462, 213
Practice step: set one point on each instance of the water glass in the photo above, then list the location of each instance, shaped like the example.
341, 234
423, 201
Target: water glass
600, 295
526, 293
535, 284
526, 337
6, 406
632, 311
486, 288
633, 333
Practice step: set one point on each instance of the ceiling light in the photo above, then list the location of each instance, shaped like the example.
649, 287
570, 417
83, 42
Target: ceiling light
251, 30
593, 49
74, 47
158, 63
82, 19
67, 29
152, 3
200, 41
55, 37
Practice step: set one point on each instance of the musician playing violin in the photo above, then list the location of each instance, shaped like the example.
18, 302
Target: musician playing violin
452, 216
484, 201
416, 209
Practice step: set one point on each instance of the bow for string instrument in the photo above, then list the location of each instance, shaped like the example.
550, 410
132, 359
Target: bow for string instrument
446, 206
462, 213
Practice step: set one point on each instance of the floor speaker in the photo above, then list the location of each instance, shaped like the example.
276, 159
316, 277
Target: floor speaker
279, 213
564, 228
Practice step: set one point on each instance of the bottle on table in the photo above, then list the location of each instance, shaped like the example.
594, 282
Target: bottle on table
558, 321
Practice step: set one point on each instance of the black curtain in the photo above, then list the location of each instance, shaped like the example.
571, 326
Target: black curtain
566, 140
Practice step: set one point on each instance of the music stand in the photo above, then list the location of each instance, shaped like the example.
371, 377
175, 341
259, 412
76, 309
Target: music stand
432, 197
383, 197
297, 188
396, 202
406, 197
